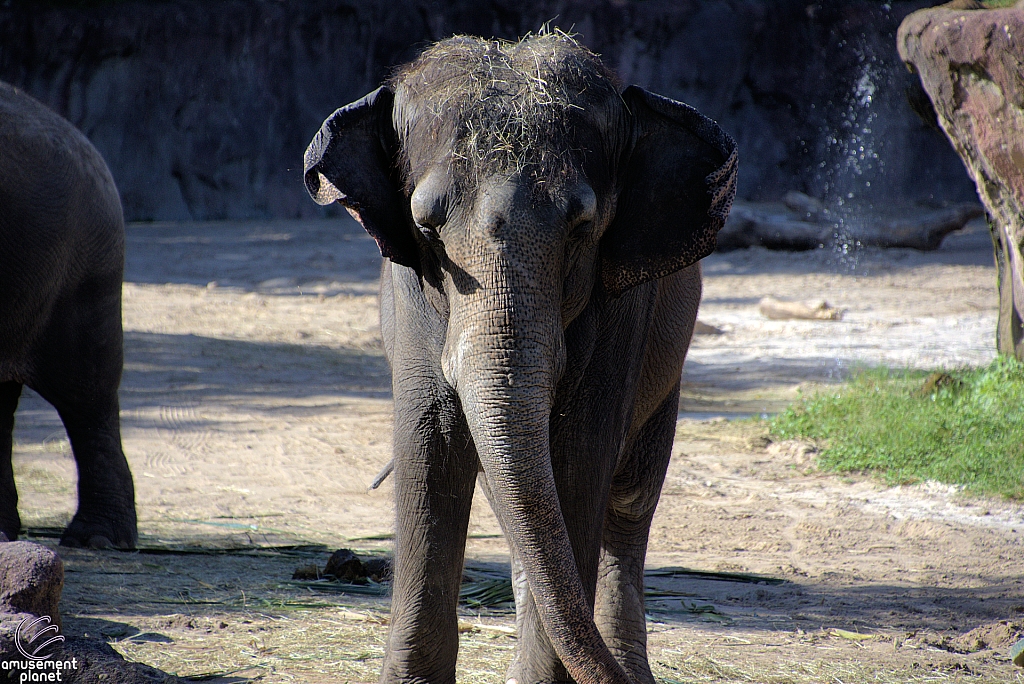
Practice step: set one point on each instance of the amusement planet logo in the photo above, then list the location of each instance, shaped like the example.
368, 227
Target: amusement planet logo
37, 665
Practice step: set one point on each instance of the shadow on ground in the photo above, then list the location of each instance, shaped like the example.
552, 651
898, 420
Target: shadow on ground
156, 363
278, 257
167, 375
215, 582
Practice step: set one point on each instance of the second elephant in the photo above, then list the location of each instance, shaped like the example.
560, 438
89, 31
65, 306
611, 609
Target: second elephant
61, 263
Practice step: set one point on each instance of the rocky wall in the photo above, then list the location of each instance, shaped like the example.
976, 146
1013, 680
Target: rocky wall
971, 63
203, 109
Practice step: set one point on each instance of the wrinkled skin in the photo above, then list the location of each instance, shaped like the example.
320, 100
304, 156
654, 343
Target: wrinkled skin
61, 263
536, 338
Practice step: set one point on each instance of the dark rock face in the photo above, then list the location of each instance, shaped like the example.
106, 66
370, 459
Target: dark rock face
970, 65
203, 109
31, 579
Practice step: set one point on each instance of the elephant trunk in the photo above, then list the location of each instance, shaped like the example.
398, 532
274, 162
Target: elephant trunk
504, 363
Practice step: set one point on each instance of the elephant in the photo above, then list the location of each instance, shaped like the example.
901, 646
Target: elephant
61, 265
541, 230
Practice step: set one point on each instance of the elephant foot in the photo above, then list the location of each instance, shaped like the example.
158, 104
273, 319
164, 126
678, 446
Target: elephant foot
551, 673
84, 533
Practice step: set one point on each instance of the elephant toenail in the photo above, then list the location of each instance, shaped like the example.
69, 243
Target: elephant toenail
98, 541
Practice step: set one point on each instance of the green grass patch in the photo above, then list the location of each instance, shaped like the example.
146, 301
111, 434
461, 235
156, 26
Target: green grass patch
963, 427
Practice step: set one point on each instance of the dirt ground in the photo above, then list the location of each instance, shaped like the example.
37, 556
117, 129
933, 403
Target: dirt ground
256, 410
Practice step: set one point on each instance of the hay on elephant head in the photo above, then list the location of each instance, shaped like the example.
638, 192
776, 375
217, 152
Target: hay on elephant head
497, 106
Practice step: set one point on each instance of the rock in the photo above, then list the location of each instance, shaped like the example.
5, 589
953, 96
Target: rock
995, 635
3, 538
702, 328
801, 224
809, 208
378, 569
98, 663
34, 632
992, 636
203, 109
307, 572
923, 231
969, 64
778, 310
345, 566
90, 661
770, 226
9, 623
937, 381
31, 579
800, 453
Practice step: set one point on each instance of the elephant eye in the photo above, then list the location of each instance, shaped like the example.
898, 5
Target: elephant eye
433, 240
429, 232
432, 237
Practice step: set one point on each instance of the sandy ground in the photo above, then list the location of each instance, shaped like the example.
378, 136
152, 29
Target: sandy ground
256, 409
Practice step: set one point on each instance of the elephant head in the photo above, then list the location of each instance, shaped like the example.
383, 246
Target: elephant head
522, 186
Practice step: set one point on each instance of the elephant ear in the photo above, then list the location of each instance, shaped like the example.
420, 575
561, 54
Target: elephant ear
678, 181
352, 161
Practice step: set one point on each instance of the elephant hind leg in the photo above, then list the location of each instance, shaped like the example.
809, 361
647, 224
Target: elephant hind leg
106, 493
10, 523
80, 379
636, 486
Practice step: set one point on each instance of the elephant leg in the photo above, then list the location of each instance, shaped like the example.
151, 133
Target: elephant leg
80, 379
434, 480
619, 610
10, 523
106, 494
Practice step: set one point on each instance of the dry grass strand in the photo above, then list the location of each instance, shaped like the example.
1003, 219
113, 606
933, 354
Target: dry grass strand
498, 106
